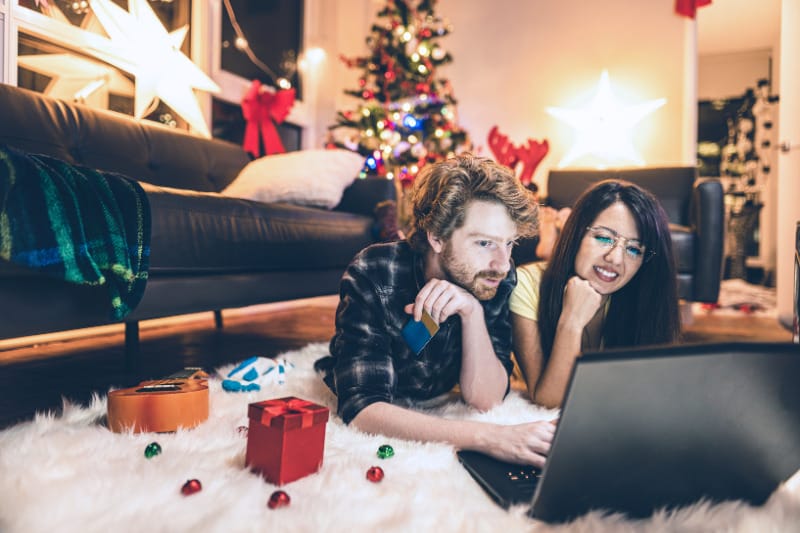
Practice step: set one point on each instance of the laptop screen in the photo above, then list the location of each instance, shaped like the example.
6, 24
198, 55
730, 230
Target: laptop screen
667, 426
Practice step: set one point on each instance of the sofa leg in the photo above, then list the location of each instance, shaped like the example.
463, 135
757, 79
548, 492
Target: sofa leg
218, 318
132, 347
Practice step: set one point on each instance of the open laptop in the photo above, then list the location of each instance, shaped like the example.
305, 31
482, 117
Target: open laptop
641, 429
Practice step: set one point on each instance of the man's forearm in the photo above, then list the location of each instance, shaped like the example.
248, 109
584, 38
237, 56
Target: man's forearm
521, 443
483, 379
393, 421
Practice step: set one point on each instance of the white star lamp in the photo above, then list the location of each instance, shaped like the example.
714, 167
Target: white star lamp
77, 78
604, 126
141, 46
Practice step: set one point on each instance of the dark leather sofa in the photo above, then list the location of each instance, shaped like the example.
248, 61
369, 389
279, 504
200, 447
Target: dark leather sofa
696, 214
208, 252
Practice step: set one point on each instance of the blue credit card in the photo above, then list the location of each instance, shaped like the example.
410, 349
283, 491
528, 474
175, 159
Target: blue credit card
418, 333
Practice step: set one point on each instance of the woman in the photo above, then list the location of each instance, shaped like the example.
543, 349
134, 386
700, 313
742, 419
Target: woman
611, 282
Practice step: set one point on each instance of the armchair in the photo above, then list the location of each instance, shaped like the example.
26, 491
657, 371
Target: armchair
694, 207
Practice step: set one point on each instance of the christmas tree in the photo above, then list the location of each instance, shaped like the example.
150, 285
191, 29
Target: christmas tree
406, 115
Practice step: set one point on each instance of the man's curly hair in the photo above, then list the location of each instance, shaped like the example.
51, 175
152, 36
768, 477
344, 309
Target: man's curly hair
443, 191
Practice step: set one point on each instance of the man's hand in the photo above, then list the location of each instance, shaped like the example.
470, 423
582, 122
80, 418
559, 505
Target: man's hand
521, 443
443, 299
581, 302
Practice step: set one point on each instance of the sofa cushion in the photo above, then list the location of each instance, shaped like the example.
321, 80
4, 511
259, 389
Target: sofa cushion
307, 177
207, 233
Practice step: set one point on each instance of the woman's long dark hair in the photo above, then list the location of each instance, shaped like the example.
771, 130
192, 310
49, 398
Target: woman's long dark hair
645, 311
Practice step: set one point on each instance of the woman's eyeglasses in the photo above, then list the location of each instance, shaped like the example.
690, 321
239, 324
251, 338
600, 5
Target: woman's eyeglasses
608, 238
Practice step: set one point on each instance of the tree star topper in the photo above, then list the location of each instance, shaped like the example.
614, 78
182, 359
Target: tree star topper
141, 46
604, 126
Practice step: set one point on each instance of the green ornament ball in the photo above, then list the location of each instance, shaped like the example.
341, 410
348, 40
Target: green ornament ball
385, 451
152, 450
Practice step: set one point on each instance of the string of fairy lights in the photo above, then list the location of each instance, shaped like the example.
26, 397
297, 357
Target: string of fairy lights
241, 43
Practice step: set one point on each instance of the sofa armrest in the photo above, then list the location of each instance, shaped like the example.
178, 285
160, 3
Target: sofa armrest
364, 194
708, 223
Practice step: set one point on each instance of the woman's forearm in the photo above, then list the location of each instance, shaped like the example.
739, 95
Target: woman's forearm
552, 384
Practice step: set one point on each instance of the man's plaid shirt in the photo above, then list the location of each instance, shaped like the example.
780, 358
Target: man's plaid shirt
370, 361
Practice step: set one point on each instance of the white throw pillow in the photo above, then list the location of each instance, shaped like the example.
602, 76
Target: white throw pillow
307, 177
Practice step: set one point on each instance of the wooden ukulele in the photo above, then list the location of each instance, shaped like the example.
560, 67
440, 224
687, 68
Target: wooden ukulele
163, 405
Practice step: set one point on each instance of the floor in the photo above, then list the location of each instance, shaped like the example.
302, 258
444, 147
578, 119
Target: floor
34, 378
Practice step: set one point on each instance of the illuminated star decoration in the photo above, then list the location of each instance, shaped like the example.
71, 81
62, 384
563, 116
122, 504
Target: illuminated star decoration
76, 78
141, 46
604, 127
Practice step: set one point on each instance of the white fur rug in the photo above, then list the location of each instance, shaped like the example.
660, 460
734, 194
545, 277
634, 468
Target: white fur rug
72, 474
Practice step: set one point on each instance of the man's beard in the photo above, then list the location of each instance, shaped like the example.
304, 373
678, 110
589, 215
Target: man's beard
461, 275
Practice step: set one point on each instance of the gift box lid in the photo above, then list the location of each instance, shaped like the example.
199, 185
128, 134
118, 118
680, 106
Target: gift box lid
287, 413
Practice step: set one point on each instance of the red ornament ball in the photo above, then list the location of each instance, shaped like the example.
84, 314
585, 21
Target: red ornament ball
278, 499
191, 486
375, 474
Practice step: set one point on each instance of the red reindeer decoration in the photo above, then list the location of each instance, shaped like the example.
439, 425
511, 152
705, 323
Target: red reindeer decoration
529, 154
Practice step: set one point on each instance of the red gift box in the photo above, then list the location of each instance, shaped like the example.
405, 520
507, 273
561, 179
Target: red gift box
286, 438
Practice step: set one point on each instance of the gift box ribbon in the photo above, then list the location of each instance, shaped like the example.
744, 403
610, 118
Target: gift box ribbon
286, 407
263, 109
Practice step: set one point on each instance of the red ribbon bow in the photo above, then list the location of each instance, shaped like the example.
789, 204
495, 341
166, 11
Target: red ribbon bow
263, 109
281, 407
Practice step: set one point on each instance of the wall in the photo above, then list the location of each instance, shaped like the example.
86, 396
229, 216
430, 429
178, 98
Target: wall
3, 36
729, 75
339, 28
514, 58
788, 162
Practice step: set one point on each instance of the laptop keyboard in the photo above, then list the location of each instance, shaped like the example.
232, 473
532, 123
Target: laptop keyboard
524, 480
507, 483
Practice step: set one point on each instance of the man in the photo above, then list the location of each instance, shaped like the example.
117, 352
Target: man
455, 265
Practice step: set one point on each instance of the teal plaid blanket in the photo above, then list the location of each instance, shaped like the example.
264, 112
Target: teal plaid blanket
77, 224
